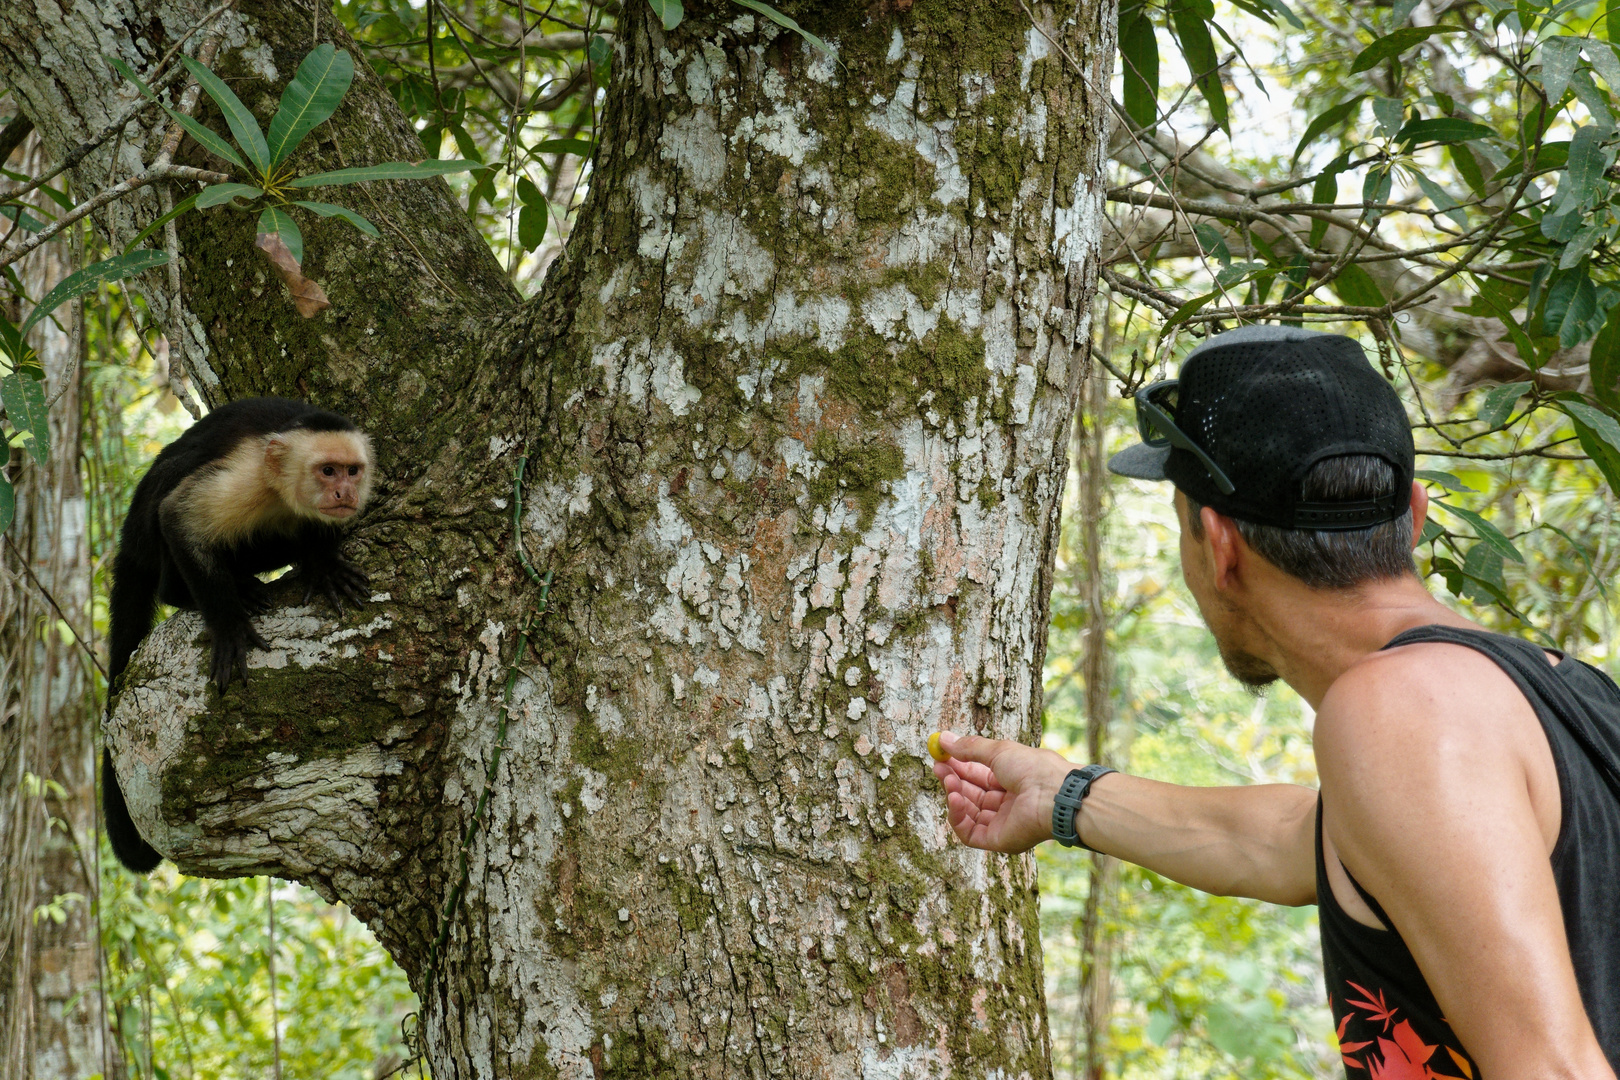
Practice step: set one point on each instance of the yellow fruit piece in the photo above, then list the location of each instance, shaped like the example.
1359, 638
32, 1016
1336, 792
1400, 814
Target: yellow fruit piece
936, 751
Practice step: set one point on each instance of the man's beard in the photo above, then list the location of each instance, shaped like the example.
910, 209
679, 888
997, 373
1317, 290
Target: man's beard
1254, 673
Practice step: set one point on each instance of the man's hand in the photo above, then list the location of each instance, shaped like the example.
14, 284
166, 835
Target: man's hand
999, 793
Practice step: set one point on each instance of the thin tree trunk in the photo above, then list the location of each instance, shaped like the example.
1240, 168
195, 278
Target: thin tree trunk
792, 413
1097, 664
54, 1026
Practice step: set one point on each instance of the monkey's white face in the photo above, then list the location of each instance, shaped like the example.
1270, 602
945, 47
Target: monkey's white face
325, 474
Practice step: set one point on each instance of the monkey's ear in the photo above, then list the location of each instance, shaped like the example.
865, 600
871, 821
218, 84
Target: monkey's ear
275, 453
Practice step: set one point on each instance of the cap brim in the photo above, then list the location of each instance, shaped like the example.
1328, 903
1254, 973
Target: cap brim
1140, 462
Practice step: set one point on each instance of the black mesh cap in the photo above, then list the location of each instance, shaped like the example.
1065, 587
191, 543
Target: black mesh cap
1269, 402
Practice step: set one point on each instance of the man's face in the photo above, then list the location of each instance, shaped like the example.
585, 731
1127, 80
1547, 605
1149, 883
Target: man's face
1229, 624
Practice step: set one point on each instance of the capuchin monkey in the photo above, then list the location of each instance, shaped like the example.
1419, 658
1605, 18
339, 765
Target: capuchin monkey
254, 486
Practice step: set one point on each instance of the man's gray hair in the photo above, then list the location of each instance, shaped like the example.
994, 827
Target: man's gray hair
1334, 560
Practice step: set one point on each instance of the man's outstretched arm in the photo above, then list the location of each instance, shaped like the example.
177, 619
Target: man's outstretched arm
1254, 841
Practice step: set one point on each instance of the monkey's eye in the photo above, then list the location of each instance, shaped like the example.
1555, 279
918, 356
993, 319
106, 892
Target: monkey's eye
354, 470
328, 471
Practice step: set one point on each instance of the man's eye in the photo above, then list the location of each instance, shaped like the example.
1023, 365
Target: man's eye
329, 471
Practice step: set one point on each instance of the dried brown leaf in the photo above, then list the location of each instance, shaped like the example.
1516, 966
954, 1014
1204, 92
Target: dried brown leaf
308, 297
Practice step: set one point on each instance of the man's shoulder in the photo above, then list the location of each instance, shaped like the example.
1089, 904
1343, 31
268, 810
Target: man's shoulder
1413, 695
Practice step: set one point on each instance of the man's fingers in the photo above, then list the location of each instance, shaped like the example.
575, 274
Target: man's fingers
969, 747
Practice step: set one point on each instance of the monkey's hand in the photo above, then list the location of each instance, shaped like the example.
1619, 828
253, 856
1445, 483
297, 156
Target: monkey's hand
255, 596
337, 579
231, 647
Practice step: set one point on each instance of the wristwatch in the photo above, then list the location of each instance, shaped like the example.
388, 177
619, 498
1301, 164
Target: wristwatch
1066, 806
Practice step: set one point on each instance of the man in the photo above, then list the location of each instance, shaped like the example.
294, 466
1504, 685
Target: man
1464, 849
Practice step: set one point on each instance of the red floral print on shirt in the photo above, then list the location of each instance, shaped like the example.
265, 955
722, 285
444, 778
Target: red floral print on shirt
1394, 1050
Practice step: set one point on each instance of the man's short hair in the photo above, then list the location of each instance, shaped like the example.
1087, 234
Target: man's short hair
1333, 560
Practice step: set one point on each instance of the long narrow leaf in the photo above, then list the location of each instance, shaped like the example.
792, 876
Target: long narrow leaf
214, 194
82, 281
1601, 423
243, 127
128, 73
185, 204
783, 21
1341, 112
1392, 45
1198, 49
389, 170
1485, 531
326, 210
209, 139
8, 504
1139, 51
313, 95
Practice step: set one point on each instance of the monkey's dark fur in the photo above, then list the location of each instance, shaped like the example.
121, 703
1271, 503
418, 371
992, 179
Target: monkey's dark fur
254, 486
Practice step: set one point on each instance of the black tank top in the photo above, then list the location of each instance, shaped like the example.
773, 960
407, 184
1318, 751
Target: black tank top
1387, 1020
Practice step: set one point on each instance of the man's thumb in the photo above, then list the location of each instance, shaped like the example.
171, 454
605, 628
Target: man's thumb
964, 747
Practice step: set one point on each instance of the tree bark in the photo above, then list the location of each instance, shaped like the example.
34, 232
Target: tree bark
53, 1022
794, 405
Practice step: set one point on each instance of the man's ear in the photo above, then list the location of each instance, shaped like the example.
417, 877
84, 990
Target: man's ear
1420, 510
1224, 542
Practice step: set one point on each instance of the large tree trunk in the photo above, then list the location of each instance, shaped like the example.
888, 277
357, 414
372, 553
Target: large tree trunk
795, 406
52, 1023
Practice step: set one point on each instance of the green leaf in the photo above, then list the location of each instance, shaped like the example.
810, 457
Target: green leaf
391, 170
1468, 168
28, 222
1582, 244
1605, 362
276, 221
1588, 158
1392, 45
1324, 121
1186, 311
1602, 424
1445, 129
1444, 479
1212, 242
1499, 402
208, 139
1483, 568
1236, 272
600, 53
24, 399
327, 210
1604, 62
1601, 451
1356, 287
1139, 54
1431, 532
1584, 554
1485, 531
127, 72
531, 229
1558, 56
783, 21
1442, 200
181, 207
1388, 111
1375, 190
215, 194
91, 277
583, 147
243, 127
8, 504
1571, 302
313, 95
1199, 52
669, 12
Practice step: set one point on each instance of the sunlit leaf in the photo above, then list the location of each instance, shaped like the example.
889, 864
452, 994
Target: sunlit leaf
243, 127
215, 194
24, 399
311, 97
92, 277
391, 170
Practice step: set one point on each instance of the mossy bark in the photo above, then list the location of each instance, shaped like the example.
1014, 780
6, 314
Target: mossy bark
794, 405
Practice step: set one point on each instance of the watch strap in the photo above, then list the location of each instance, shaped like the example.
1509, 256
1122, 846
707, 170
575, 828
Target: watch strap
1066, 805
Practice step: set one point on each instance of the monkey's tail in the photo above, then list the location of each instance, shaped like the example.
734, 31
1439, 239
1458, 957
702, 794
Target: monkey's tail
127, 843
133, 602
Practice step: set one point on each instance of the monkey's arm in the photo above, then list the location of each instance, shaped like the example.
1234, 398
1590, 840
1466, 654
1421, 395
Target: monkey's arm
214, 590
323, 569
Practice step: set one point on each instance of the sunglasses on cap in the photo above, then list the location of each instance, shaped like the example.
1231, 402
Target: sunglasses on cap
1157, 428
